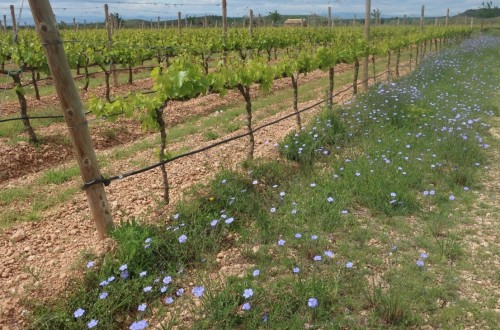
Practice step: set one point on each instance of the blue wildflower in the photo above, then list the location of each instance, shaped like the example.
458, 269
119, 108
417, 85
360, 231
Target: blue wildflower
92, 323
198, 291
139, 325
79, 312
312, 302
247, 293
183, 239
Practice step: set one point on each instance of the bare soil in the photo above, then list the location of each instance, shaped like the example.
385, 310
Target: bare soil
22, 158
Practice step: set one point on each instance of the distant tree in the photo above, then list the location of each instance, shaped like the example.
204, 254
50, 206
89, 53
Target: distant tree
487, 11
116, 19
274, 16
376, 16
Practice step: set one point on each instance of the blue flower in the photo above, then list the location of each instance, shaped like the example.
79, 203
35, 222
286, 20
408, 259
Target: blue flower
142, 307
139, 325
142, 274
256, 273
452, 198
103, 295
167, 280
214, 223
312, 302
317, 258
281, 242
329, 254
78, 313
92, 323
163, 289
424, 255
247, 293
272, 210
147, 289
179, 292
314, 237
169, 300
183, 239
296, 270
246, 306
349, 264
330, 199
198, 291
229, 220
420, 263
298, 235
123, 267
90, 264
124, 274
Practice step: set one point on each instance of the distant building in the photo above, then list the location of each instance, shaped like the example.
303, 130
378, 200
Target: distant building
295, 22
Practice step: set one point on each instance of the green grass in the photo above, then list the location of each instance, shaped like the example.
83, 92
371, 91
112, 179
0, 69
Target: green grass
58, 176
357, 183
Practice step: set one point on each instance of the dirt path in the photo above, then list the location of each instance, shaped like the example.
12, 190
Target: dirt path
481, 237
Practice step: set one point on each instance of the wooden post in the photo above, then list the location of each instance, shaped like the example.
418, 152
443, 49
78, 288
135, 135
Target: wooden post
224, 18
472, 22
398, 21
447, 16
13, 17
330, 21
186, 21
110, 42
367, 39
5, 23
436, 21
74, 23
158, 22
422, 19
251, 23
72, 109
205, 22
179, 23
404, 19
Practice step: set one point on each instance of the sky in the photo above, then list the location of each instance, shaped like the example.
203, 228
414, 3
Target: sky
92, 10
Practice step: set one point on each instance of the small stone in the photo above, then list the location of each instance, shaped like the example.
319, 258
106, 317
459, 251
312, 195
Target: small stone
18, 236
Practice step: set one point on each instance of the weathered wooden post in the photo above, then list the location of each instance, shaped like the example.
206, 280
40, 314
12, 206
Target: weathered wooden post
179, 23
110, 42
367, 39
72, 109
251, 23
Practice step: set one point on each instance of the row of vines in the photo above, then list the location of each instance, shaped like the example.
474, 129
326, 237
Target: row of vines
204, 61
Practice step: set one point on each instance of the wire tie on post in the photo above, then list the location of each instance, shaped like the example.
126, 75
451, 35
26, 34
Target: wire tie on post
105, 181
